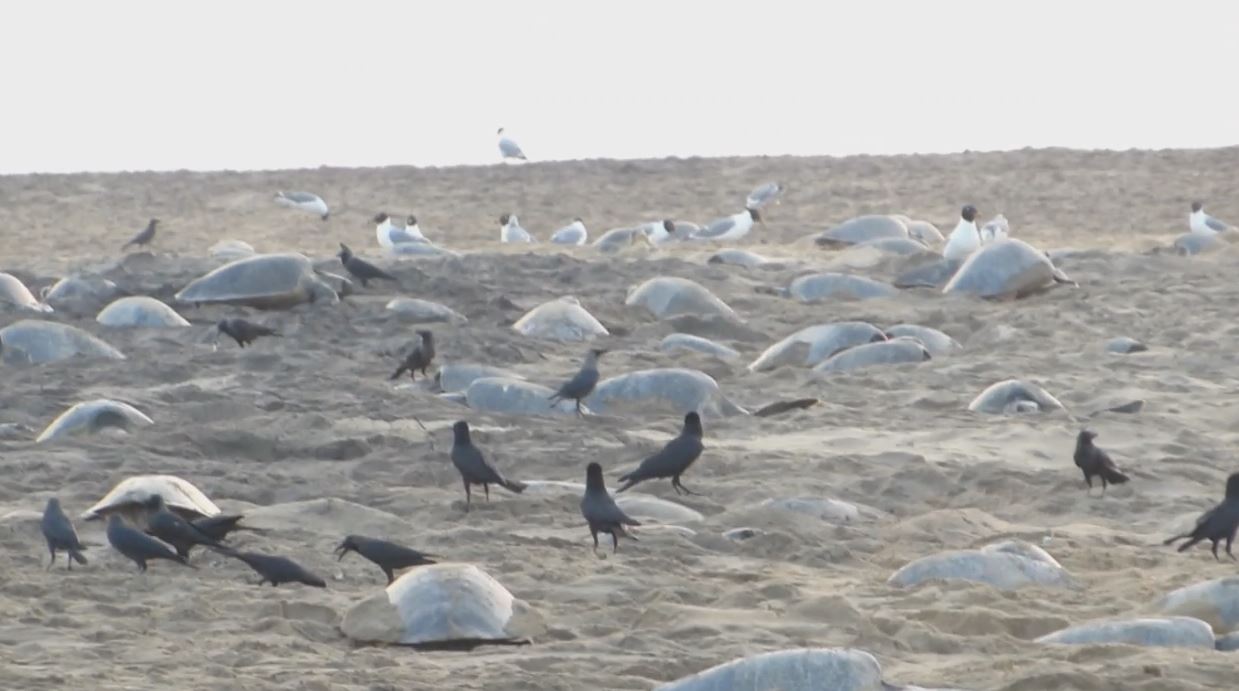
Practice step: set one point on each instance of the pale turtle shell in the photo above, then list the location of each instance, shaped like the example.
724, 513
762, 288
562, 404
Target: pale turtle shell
91, 416
680, 341
264, 281
1006, 565
14, 292
516, 397
131, 493
33, 341
140, 311
446, 604
935, 341
562, 319
896, 351
854, 231
813, 344
1173, 632
425, 311
831, 285
676, 389
1006, 268
803, 669
672, 296
1013, 396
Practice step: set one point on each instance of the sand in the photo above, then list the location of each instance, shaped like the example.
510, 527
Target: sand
313, 415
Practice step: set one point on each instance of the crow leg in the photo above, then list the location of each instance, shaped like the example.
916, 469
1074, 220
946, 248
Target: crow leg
467, 496
1229, 539
614, 542
1215, 556
593, 532
675, 482
486, 490
51, 563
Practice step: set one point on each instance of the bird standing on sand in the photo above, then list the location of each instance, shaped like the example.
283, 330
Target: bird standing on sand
510, 230
508, 148
601, 511
276, 570
572, 234
419, 358
361, 269
305, 201
673, 459
242, 331
965, 239
174, 530
1200, 222
59, 532
473, 466
1095, 462
138, 546
582, 384
731, 227
144, 236
1217, 523
386, 555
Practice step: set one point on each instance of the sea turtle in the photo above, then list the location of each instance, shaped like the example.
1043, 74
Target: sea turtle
671, 296
862, 229
1014, 396
263, 281
1173, 632
800, 669
737, 257
677, 389
680, 341
903, 349
831, 285
33, 341
1005, 565
425, 311
515, 397
445, 605
140, 310
562, 319
14, 292
79, 292
1005, 269
813, 344
936, 342
132, 495
91, 416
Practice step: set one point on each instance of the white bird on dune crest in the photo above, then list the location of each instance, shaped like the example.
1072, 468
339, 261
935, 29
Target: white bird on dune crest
304, 201
508, 149
390, 235
1200, 222
572, 234
511, 231
996, 228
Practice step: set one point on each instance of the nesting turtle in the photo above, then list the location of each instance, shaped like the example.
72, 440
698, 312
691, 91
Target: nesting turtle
681, 342
892, 352
140, 311
832, 285
33, 341
515, 397
133, 494
800, 669
443, 606
14, 292
671, 296
424, 311
79, 291
1174, 632
562, 319
263, 281
677, 389
935, 341
1005, 269
1014, 396
813, 344
457, 376
92, 416
867, 228
1005, 565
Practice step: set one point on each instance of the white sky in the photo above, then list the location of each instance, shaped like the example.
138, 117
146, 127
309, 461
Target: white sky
126, 85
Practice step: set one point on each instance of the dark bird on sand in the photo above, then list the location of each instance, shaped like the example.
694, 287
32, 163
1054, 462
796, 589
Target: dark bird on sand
1095, 462
1217, 523
419, 358
361, 269
673, 459
473, 466
144, 236
601, 511
139, 546
582, 384
218, 527
277, 570
59, 532
175, 530
386, 555
242, 331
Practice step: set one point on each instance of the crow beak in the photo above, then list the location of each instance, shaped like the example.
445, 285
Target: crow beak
341, 551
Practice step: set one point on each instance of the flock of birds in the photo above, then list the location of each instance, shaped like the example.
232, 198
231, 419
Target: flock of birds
170, 536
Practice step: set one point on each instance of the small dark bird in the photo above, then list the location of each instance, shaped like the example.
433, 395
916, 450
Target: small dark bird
145, 236
174, 530
473, 466
361, 269
1217, 523
218, 527
1094, 461
387, 555
242, 331
673, 459
601, 511
59, 532
139, 546
277, 570
419, 358
582, 384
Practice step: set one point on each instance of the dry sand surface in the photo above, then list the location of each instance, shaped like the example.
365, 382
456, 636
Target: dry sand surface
313, 415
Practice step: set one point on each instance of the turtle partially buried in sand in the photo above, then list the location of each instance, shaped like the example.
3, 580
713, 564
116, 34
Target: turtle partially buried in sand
264, 281
131, 497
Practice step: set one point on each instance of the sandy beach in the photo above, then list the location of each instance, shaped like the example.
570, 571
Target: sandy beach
313, 415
